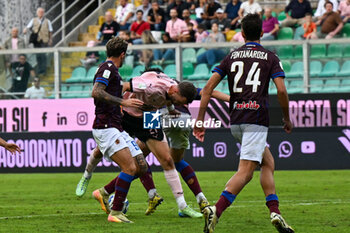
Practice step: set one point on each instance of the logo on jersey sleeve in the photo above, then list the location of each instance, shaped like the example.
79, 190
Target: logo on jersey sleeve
106, 74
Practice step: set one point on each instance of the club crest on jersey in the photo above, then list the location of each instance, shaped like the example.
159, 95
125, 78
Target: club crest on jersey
106, 74
252, 105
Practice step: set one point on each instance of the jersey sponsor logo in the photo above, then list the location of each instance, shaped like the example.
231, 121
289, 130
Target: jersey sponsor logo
251, 105
249, 54
141, 86
106, 74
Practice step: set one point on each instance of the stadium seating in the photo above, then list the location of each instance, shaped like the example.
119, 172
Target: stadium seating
345, 85
297, 70
286, 66
156, 67
281, 16
345, 70
78, 75
90, 75
103, 56
125, 71
346, 51
298, 34
330, 69
318, 51
298, 52
285, 33
295, 86
331, 85
316, 85
315, 68
189, 55
200, 51
285, 52
334, 51
188, 70
137, 70
346, 30
201, 72
170, 70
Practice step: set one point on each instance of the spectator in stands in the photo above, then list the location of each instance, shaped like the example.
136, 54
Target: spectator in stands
138, 27
298, 9
330, 22
212, 56
168, 54
310, 28
35, 91
179, 6
344, 10
249, 7
108, 29
321, 9
92, 57
147, 54
237, 38
199, 11
223, 23
270, 25
14, 42
186, 15
231, 12
21, 71
156, 17
201, 34
43, 27
190, 35
209, 12
124, 14
125, 35
175, 26
145, 8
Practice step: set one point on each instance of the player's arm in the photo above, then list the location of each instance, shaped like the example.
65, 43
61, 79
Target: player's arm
126, 87
207, 91
10, 146
218, 95
283, 100
98, 92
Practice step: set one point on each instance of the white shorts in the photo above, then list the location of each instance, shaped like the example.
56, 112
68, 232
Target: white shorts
111, 140
252, 139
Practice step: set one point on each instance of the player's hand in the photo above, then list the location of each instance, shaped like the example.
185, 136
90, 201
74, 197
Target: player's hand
132, 103
288, 126
147, 107
199, 133
12, 148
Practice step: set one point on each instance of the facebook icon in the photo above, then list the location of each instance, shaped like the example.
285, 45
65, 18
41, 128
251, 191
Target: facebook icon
151, 120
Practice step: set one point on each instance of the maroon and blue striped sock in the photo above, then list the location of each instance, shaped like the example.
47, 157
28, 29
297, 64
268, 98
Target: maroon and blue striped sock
189, 176
272, 203
122, 186
110, 187
147, 180
225, 201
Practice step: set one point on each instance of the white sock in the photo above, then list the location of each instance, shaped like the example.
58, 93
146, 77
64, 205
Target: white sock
200, 196
152, 193
91, 165
106, 192
172, 177
181, 203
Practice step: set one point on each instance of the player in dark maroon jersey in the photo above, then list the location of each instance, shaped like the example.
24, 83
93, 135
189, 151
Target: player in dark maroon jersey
114, 143
249, 69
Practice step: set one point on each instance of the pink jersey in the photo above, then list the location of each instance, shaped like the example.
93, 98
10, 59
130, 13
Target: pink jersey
151, 88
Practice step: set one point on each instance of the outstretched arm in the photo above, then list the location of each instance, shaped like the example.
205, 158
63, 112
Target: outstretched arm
10, 146
199, 132
98, 92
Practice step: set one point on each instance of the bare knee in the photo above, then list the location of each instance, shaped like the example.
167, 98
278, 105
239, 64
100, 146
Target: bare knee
131, 169
167, 163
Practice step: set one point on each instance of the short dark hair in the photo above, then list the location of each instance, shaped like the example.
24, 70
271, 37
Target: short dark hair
22, 55
187, 90
157, 70
138, 11
202, 26
190, 24
328, 2
252, 27
308, 14
116, 46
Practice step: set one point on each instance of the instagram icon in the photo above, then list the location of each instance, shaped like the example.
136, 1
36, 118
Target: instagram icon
220, 150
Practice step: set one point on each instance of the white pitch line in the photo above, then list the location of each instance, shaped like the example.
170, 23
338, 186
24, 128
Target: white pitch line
160, 210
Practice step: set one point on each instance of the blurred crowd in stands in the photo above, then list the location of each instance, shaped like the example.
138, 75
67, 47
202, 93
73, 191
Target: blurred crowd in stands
199, 21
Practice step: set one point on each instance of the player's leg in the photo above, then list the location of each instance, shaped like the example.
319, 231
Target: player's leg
268, 185
95, 158
253, 142
161, 150
178, 142
154, 199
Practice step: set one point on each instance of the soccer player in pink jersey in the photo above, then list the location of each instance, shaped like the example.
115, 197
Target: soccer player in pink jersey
249, 70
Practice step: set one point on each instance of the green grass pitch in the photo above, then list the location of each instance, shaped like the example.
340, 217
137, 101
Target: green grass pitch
310, 201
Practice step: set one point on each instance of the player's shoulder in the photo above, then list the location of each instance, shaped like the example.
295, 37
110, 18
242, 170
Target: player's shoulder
106, 70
